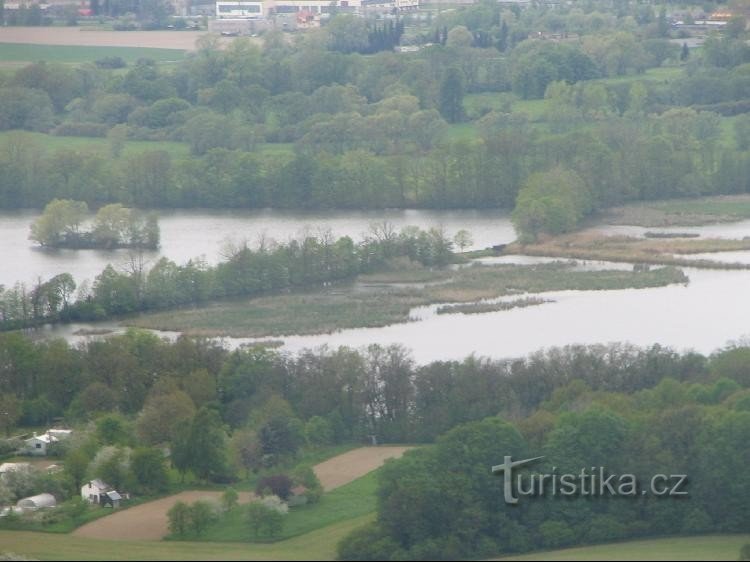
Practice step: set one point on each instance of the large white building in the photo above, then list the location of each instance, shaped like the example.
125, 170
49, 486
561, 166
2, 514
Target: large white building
239, 10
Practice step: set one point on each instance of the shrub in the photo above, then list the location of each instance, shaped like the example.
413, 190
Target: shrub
279, 485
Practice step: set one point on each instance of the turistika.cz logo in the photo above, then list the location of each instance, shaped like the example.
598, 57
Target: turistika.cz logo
589, 482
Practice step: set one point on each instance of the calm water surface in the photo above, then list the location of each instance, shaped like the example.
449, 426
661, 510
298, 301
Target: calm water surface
191, 234
707, 313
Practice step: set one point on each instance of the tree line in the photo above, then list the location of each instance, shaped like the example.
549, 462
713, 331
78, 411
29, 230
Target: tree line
271, 267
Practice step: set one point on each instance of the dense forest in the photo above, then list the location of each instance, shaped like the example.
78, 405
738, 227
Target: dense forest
315, 123
643, 411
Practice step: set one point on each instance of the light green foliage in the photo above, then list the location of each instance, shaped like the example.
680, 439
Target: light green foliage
551, 203
61, 218
149, 470
229, 499
179, 518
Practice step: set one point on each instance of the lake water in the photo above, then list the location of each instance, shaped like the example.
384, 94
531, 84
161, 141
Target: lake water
707, 313
190, 234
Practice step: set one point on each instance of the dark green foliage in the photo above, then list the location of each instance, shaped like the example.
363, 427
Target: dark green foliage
451, 96
278, 485
444, 503
150, 470
202, 447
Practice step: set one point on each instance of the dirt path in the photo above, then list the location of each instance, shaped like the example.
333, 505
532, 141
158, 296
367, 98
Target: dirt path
184, 40
144, 522
149, 521
343, 469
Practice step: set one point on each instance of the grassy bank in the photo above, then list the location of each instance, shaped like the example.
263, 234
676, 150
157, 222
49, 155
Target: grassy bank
721, 547
356, 307
681, 212
674, 252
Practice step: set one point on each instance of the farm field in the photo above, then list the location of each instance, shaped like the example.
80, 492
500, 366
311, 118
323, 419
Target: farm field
346, 468
317, 545
149, 521
16, 55
721, 547
144, 522
61, 36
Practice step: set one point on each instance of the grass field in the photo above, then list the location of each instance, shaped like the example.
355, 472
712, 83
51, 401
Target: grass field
280, 151
16, 54
317, 545
722, 547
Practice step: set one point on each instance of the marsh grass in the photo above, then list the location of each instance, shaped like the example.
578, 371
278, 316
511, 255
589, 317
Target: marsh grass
344, 308
681, 212
595, 246
485, 307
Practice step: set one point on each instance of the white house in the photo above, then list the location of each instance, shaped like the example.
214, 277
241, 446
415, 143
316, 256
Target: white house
100, 493
33, 503
38, 445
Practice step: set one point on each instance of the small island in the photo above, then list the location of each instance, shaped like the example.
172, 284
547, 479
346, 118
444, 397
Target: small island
114, 226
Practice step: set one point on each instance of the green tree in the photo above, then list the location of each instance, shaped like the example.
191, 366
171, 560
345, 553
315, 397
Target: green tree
10, 412
201, 516
318, 431
149, 470
685, 52
247, 451
179, 518
451, 97
112, 429
76, 465
550, 202
117, 137
255, 516
463, 239
203, 448
60, 220
229, 499
347, 34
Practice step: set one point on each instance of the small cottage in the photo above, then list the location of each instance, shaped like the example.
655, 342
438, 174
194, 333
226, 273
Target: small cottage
100, 493
38, 445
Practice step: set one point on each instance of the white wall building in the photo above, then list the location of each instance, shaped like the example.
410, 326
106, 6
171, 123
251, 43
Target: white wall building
98, 492
38, 445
